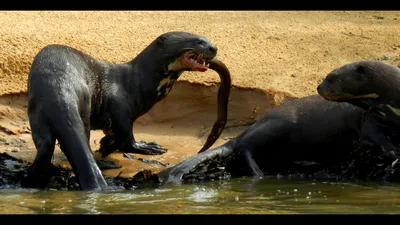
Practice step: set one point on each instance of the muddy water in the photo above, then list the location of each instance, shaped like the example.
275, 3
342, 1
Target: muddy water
235, 196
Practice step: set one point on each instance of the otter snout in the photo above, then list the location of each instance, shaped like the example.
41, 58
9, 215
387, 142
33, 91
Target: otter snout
212, 48
319, 89
324, 90
206, 45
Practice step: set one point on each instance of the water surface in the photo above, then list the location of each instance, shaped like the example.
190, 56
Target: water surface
235, 196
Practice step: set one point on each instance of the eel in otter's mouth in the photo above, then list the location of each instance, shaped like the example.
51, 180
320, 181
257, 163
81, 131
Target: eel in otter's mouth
202, 62
223, 98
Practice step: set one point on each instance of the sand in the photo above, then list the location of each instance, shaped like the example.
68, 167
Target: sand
272, 55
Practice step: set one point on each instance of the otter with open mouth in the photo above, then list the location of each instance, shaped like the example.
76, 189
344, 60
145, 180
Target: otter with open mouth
71, 93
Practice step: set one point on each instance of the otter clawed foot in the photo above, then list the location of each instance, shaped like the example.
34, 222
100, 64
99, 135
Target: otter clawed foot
107, 165
141, 147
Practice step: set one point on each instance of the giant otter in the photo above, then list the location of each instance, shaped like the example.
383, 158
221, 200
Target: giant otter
306, 133
372, 85
71, 93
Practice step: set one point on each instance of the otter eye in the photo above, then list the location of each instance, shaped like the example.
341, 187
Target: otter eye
360, 69
161, 40
329, 79
200, 41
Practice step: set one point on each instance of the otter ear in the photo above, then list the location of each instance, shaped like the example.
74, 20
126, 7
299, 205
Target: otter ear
161, 40
360, 69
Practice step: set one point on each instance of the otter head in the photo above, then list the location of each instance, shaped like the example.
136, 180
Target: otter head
186, 51
355, 82
368, 84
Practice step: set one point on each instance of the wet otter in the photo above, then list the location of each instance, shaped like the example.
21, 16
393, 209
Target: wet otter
309, 134
71, 93
299, 134
372, 85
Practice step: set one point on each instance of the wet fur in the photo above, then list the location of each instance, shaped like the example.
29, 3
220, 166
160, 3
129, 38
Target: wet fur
374, 86
71, 93
307, 130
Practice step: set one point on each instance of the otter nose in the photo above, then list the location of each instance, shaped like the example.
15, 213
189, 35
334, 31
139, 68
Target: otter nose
212, 49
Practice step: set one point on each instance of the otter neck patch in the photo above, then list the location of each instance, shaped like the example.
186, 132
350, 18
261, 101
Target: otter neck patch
394, 110
167, 83
176, 65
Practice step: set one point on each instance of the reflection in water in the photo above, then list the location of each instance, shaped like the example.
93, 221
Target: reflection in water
236, 196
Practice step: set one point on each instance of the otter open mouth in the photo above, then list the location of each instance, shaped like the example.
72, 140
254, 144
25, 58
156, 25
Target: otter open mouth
197, 62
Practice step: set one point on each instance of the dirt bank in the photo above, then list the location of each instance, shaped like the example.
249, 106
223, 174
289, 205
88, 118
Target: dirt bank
272, 56
181, 123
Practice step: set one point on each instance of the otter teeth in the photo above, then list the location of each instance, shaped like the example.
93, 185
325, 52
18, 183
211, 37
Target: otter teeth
200, 61
195, 61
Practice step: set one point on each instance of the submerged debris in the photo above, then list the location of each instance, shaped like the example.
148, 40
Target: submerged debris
209, 170
371, 164
363, 163
13, 170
